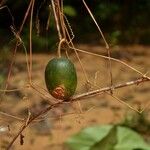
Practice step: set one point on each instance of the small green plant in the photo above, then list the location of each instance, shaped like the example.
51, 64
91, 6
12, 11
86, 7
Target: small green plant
114, 37
41, 42
70, 11
107, 137
137, 122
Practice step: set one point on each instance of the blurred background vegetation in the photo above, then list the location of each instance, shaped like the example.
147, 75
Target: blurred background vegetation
123, 22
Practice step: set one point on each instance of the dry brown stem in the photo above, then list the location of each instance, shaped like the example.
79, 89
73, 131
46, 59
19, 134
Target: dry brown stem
16, 45
106, 44
73, 99
56, 18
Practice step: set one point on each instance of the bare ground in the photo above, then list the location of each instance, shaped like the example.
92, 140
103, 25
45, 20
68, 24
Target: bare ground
62, 122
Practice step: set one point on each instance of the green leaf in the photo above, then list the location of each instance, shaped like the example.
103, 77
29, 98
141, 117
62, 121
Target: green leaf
129, 140
85, 139
107, 138
108, 142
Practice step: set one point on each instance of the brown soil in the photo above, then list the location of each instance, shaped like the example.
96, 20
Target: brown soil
62, 122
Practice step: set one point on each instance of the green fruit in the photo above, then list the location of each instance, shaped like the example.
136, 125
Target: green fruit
61, 78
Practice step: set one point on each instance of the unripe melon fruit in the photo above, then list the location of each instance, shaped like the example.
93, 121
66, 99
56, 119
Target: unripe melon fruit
61, 78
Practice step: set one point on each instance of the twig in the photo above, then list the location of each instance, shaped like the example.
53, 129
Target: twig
56, 20
106, 57
77, 55
59, 47
24, 47
92, 16
61, 16
9, 11
71, 35
124, 103
10, 90
98, 91
18, 118
73, 99
26, 124
11, 116
43, 93
48, 20
16, 46
30, 42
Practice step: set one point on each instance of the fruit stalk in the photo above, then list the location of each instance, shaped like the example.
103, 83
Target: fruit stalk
59, 47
